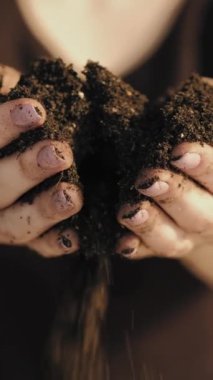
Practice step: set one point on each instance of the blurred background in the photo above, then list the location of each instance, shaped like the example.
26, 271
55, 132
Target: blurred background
160, 319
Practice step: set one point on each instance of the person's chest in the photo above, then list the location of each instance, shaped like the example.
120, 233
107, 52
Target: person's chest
120, 34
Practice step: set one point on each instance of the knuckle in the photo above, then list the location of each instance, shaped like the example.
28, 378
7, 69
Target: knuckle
27, 166
7, 237
176, 251
177, 186
19, 239
11, 235
172, 253
207, 227
24, 237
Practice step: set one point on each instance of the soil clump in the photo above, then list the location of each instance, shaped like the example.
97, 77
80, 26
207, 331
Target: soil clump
114, 132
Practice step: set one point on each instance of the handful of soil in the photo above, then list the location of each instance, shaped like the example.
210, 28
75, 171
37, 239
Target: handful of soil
72, 116
183, 115
114, 132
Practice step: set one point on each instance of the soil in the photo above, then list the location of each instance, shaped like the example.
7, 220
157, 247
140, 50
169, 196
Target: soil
60, 90
114, 132
185, 114
92, 116
145, 137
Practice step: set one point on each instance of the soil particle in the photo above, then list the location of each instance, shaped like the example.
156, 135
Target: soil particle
131, 213
115, 133
127, 251
57, 88
65, 241
148, 183
59, 153
185, 114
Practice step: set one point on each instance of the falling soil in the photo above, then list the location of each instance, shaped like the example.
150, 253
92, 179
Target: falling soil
114, 131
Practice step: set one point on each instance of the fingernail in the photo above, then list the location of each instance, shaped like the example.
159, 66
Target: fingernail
62, 200
136, 217
49, 157
128, 251
64, 242
187, 161
25, 115
157, 188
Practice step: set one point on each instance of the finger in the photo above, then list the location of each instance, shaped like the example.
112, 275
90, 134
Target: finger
18, 116
155, 229
8, 78
55, 243
131, 247
31, 220
208, 80
188, 204
21, 172
197, 161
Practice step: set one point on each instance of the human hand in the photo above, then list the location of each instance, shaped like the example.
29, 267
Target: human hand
179, 223
23, 223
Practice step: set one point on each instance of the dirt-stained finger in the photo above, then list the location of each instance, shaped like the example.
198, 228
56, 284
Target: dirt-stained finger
21, 172
56, 243
18, 116
155, 229
132, 247
33, 219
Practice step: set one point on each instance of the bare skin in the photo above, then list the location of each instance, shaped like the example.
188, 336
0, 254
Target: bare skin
21, 172
179, 224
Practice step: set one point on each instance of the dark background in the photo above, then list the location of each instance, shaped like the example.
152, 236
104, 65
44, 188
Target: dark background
156, 305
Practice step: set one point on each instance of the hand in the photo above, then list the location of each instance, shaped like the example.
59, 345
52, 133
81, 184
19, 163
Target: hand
179, 223
23, 223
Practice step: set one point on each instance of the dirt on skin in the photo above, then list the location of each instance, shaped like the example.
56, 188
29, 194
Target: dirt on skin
114, 132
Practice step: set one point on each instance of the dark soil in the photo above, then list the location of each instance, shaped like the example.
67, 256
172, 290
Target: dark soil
92, 116
60, 90
143, 134
114, 132
185, 114
75, 114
